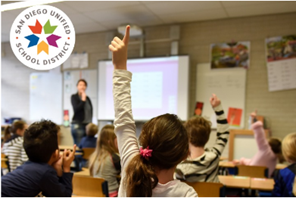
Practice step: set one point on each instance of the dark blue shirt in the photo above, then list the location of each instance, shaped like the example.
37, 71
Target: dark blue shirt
32, 178
283, 186
88, 142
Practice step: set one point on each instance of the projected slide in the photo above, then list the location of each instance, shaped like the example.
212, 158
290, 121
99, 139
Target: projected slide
159, 86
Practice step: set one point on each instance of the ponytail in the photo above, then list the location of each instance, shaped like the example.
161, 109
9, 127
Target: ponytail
7, 133
140, 178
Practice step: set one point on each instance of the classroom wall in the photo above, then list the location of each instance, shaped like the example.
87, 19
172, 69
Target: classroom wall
279, 108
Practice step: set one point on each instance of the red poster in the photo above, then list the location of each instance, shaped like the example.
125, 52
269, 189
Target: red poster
234, 116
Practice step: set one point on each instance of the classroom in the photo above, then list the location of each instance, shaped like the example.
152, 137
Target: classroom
180, 53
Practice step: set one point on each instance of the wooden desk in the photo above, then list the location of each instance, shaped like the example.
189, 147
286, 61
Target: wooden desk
76, 153
234, 181
262, 184
63, 147
281, 166
226, 164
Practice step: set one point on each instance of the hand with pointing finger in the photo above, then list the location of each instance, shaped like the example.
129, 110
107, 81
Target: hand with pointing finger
215, 101
118, 48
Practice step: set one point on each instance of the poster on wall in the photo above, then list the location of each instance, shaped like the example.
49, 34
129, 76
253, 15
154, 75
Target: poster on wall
230, 55
281, 62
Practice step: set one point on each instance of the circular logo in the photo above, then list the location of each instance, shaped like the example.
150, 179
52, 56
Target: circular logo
42, 37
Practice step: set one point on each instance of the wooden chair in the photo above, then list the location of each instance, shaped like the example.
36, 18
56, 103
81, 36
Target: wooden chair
87, 186
208, 189
4, 162
252, 171
87, 152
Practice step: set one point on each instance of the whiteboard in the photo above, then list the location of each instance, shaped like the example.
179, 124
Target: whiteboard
244, 146
46, 96
228, 84
70, 79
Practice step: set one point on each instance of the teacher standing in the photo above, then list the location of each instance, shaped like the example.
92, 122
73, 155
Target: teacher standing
83, 111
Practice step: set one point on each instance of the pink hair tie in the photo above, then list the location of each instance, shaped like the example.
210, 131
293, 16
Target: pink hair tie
146, 152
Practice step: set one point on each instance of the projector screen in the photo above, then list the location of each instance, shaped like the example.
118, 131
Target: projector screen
159, 86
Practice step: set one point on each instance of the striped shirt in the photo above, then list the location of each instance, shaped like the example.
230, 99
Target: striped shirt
15, 152
205, 167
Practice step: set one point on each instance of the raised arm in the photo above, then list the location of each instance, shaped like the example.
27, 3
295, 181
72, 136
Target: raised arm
259, 135
124, 123
222, 125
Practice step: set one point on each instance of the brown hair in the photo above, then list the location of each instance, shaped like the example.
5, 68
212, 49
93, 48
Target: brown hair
289, 147
91, 129
168, 139
81, 80
275, 145
199, 130
105, 147
16, 125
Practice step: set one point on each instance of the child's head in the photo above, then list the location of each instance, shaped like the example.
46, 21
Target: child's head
199, 130
166, 136
107, 139
91, 130
106, 145
275, 145
18, 127
289, 147
41, 141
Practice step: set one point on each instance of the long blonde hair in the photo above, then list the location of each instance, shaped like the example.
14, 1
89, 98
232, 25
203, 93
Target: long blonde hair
105, 147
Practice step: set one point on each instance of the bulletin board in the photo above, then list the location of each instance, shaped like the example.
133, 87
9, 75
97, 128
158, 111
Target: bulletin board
70, 79
229, 84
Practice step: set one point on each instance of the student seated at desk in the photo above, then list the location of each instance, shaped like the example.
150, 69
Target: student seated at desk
202, 165
268, 150
90, 140
105, 161
47, 172
13, 145
284, 181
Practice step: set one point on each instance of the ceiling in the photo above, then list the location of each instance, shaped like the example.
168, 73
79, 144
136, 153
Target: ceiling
94, 16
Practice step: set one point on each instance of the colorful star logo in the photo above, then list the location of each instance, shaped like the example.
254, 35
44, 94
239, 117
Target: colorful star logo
37, 29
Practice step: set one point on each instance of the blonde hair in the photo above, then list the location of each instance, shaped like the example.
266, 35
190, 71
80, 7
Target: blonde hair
104, 148
289, 147
91, 129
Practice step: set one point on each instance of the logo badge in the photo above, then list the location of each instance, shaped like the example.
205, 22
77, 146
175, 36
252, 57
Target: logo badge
42, 37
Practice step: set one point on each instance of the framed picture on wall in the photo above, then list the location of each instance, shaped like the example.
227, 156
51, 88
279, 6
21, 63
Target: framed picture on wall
230, 55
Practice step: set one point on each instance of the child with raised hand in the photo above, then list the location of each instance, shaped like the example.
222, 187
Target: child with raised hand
105, 161
202, 164
13, 144
283, 186
147, 171
269, 150
47, 172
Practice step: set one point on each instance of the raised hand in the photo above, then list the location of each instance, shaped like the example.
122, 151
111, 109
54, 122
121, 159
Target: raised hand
254, 114
118, 48
214, 100
83, 96
68, 158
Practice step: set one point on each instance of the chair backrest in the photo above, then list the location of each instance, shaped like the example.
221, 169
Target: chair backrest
208, 189
252, 171
87, 152
88, 186
5, 162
